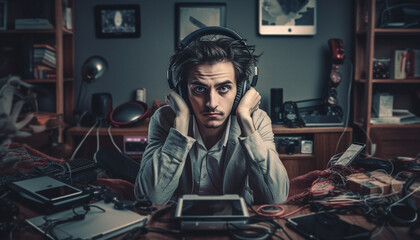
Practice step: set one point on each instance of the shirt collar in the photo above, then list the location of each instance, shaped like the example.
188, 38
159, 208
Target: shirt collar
221, 143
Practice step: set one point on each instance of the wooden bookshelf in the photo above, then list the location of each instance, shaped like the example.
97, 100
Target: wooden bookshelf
374, 42
59, 91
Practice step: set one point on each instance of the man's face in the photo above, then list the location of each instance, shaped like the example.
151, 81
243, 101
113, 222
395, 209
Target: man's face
211, 91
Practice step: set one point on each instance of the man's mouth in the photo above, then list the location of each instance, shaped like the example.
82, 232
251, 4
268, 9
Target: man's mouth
212, 114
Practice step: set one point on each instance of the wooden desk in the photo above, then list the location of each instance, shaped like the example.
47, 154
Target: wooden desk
401, 232
27, 232
325, 140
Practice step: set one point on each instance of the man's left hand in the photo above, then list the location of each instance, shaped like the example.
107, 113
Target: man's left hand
249, 103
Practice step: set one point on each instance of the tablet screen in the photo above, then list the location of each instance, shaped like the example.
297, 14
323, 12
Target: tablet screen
215, 208
58, 192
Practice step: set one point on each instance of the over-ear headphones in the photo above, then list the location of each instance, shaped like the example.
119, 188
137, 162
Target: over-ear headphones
403, 212
242, 85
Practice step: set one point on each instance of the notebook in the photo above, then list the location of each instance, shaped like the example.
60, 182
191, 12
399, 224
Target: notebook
96, 224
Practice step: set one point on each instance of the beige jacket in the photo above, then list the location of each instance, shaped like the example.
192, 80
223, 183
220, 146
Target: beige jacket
252, 167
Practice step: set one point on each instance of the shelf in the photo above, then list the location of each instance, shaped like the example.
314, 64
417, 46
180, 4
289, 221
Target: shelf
46, 80
296, 156
390, 81
34, 31
281, 129
399, 31
396, 81
409, 125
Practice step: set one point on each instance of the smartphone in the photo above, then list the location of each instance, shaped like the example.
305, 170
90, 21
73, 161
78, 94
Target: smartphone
325, 226
350, 154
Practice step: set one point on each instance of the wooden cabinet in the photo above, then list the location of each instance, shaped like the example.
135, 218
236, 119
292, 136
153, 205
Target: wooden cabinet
56, 95
374, 40
327, 141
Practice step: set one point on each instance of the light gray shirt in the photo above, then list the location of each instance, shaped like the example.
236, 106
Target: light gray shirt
207, 164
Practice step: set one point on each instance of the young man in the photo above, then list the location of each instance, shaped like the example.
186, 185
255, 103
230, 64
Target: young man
198, 146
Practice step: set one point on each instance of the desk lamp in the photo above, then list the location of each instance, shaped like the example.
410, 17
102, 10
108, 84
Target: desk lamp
93, 68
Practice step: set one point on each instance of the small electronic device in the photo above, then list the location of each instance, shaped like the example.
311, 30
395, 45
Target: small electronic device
350, 154
49, 193
211, 212
326, 225
135, 145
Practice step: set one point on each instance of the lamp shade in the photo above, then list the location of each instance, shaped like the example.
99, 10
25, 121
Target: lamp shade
93, 68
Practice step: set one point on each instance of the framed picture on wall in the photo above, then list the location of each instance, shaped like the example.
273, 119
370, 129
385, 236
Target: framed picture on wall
117, 21
3, 14
287, 17
193, 16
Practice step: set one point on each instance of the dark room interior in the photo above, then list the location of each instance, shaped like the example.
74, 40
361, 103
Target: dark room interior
91, 103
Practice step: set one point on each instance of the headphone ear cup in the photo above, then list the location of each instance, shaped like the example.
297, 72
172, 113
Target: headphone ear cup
243, 86
182, 91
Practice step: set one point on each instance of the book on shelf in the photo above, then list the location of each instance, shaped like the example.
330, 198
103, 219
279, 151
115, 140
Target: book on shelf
413, 63
44, 46
44, 72
32, 23
400, 60
399, 116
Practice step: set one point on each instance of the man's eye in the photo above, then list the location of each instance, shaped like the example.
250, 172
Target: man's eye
224, 89
199, 89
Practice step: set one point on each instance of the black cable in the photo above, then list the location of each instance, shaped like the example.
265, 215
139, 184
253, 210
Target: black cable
276, 224
157, 216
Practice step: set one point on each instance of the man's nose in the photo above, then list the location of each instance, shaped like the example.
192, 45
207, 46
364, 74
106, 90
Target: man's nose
212, 99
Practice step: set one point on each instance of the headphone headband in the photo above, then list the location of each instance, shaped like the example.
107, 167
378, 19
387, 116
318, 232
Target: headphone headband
210, 31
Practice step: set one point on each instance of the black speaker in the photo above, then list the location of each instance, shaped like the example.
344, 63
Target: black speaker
102, 107
276, 105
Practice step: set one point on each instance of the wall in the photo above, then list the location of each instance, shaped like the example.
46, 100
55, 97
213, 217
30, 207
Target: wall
298, 64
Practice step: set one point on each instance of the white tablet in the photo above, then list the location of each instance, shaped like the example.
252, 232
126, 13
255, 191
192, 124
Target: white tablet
214, 212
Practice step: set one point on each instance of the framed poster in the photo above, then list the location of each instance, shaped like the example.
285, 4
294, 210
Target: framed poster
287, 17
117, 21
3, 14
192, 16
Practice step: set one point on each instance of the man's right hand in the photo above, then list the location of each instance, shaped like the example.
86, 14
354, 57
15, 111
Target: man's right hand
182, 112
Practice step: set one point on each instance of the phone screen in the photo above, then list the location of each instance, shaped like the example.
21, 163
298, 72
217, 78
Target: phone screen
325, 225
223, 207
350, 154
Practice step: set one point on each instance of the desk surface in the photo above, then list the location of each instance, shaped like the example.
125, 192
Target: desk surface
27, 232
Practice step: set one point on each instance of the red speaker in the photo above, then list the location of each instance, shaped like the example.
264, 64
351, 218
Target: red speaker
102, 107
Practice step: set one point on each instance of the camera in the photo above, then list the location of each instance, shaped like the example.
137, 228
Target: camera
287, 144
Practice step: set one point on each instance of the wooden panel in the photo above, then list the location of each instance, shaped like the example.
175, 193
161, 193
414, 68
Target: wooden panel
296, 167
325, 145
392, 142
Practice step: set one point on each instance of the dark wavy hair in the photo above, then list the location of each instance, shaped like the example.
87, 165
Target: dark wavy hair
207, 51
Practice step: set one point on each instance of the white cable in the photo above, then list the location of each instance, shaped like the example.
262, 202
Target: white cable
83, 140
402, 199
97, 137
70, 173
112, 139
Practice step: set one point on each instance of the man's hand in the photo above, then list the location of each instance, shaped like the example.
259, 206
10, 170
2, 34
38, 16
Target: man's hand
182, 112
249, 103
